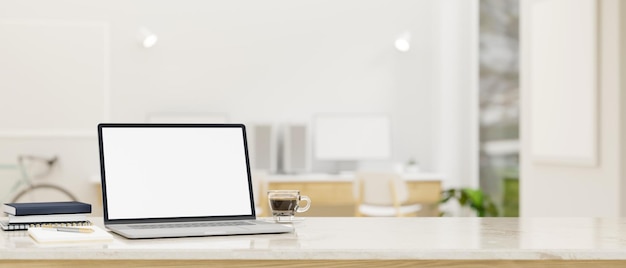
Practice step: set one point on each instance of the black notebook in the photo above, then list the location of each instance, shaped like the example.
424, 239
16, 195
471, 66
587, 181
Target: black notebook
46, 208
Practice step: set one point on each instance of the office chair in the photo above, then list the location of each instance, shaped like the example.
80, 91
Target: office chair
382, 195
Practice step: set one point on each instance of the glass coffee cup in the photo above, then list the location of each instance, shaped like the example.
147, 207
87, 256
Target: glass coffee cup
284, 204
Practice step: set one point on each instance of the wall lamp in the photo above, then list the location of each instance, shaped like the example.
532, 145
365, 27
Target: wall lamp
403, 42
147, 38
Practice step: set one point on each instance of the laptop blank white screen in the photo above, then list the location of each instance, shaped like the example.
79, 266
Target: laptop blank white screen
166, 172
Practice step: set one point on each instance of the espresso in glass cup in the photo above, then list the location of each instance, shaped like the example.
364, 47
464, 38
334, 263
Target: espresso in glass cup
284, 204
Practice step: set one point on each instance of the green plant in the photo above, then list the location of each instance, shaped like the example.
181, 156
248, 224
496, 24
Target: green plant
473, 198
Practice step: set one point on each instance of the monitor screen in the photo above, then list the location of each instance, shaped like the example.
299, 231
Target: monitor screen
352, 137
175, 171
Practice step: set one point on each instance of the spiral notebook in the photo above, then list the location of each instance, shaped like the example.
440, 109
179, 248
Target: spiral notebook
6, 226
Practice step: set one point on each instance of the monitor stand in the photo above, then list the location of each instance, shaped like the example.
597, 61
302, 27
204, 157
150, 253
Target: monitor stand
346, 167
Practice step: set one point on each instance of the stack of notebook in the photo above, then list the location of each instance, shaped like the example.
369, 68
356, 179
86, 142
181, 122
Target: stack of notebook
26, 215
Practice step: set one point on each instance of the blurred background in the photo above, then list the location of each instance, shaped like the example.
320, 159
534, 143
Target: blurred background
440, 77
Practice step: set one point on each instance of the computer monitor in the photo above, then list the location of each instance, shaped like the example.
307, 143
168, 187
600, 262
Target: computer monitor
352, 137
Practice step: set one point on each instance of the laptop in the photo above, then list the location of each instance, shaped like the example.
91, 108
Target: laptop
178, 180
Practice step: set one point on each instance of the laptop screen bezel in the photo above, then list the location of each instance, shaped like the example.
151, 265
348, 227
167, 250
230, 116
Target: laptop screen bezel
171, 219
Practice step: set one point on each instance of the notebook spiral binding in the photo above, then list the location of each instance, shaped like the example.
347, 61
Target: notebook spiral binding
24, 226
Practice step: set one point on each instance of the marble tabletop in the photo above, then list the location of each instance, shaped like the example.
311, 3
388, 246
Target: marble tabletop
364, 238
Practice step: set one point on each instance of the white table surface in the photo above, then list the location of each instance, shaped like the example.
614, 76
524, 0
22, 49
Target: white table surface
364, 238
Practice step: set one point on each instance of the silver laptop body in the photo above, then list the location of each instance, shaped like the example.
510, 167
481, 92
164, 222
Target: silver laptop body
178, 180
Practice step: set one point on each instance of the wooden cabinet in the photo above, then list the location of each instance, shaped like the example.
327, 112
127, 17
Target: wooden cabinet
427, 193
424, 191
334, 197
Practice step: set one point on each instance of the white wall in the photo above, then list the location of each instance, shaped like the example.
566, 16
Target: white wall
275, 61
457, 123
575, 181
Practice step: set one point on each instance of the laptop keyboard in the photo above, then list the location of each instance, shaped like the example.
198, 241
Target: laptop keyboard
191, 224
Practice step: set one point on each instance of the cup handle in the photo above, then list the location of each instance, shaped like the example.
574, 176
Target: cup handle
308, 204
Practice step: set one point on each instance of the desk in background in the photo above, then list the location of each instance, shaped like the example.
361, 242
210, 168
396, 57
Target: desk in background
354, 242
333, 195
